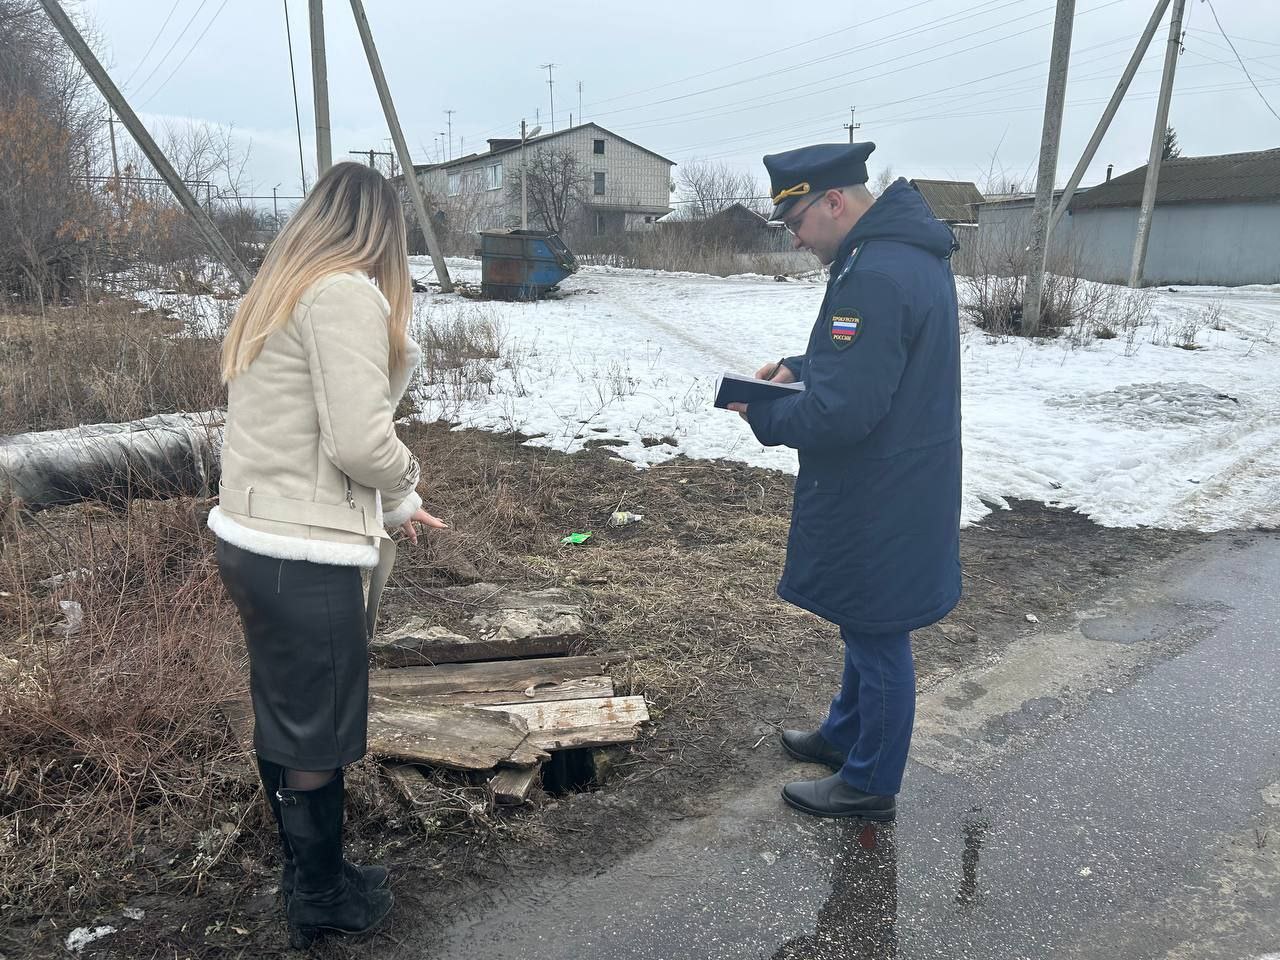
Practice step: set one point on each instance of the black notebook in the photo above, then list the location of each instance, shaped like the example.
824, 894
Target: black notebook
735, 388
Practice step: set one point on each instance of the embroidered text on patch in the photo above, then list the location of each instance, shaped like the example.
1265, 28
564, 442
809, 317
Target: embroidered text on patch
845, 329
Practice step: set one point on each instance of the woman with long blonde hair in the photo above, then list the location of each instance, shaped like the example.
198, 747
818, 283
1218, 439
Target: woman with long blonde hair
313, 475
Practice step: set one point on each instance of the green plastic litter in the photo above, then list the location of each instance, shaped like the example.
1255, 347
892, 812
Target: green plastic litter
575, 538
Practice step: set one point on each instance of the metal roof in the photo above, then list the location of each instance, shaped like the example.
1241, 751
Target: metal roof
951, 200
1229, 177
541, 138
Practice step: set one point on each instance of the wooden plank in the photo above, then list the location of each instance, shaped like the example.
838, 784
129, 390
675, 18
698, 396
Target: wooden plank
418, 643
565, 725
504, 681
460, 738
510, 788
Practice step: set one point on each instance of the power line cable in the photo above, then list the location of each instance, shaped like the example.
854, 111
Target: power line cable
137, 66
172, 47
297, 116
950, 19
1239, 60
185, 55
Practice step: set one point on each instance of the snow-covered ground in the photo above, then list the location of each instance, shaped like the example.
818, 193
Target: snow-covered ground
1128, 431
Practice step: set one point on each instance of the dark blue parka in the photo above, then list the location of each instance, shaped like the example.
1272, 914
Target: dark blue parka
874, 543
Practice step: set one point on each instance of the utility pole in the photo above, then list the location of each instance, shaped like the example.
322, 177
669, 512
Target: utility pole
524, 185
115, 160
1157, 146
449, 114
1055, 99
851, 125
402, 149
374, 153
551, 85
139, 133
320, 89
1109, 113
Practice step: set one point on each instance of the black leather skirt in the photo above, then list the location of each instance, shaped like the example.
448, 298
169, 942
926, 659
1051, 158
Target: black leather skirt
304, 625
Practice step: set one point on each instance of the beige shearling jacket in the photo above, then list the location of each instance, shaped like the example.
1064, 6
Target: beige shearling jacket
310, 456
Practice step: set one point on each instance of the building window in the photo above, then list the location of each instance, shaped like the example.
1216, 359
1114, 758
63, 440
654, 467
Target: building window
493, 176
599, 191
598, 147
600, 221
455, 184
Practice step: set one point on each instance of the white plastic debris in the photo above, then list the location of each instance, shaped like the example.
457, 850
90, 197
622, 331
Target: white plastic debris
81, 937
133, 913
74, 613
1032, 618
622, 518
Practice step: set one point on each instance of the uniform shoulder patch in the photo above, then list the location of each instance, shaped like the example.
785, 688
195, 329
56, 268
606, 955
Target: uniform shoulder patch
846, 324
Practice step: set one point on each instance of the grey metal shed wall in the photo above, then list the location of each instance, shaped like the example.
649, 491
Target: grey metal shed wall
1224, 244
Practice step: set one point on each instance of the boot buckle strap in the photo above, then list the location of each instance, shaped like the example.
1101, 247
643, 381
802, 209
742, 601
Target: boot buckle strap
287, 798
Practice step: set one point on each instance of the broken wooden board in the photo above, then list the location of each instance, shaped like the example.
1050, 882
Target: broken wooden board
501, 624
511, 787
418, 643
568, 724
503, 681
460, 738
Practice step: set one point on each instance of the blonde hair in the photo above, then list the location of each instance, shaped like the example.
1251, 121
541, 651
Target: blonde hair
351, 220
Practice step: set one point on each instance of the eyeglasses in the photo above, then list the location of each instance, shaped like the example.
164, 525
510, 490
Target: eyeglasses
793, 224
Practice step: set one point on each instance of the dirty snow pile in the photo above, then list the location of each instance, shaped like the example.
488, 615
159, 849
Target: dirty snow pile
1131, 430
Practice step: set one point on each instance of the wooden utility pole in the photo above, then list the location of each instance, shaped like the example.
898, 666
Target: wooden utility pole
1109, 113
1157, 146
1055, 99
153, 152
320, 89
115, 159
402, 149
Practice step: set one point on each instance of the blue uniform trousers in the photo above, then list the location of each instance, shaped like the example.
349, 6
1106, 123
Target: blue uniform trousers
872, 715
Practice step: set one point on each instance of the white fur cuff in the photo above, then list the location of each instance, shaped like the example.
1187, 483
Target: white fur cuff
408, 507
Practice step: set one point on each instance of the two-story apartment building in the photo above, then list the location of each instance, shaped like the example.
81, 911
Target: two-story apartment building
620, 184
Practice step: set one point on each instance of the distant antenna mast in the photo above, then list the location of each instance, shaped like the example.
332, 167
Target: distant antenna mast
551, 85
581, 119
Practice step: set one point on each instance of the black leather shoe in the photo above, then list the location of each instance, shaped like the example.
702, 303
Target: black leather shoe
832, 797
811, 747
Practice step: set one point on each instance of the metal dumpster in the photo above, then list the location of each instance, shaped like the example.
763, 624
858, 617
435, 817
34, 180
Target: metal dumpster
522, 264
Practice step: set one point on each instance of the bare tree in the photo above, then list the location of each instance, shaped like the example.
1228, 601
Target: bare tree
880, 183
558, 187
707, 189
47, 149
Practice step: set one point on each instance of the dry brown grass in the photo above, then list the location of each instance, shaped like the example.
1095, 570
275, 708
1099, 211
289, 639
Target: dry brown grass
98, 363
110, 731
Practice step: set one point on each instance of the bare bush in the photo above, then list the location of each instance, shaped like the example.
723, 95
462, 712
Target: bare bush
109, 724
107, 362
676, 249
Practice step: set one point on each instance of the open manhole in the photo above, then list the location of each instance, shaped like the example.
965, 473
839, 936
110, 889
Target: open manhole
570, 771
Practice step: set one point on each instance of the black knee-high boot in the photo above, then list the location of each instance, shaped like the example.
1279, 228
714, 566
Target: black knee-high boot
325, 897
272, 775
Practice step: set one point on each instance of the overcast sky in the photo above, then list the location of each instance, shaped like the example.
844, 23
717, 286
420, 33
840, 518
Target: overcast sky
945, 88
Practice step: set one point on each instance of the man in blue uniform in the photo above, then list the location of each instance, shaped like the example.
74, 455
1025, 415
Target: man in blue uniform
874, 543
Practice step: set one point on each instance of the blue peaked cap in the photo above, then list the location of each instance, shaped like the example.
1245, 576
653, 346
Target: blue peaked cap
808, 170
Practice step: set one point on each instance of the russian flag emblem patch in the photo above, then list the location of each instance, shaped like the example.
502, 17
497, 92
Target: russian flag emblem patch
845, 328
